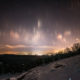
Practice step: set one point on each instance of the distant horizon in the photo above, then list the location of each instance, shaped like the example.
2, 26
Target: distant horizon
39, 50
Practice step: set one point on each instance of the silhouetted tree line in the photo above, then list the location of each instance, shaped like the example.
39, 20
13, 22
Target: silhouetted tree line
20, 63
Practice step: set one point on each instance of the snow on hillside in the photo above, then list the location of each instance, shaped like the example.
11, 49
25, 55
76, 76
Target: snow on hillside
66, 69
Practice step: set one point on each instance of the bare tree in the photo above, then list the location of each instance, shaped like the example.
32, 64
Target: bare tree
76, 47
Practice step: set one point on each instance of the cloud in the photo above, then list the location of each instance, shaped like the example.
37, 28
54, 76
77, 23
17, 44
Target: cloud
15, 46
14, 35
77, 40
39, 24
64, 39
36, 36
67, 33
59, 36
1, 46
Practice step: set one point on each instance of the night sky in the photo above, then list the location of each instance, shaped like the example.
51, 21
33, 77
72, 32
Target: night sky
38, 25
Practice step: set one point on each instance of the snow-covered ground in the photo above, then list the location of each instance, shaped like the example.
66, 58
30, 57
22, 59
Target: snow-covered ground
66, 69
